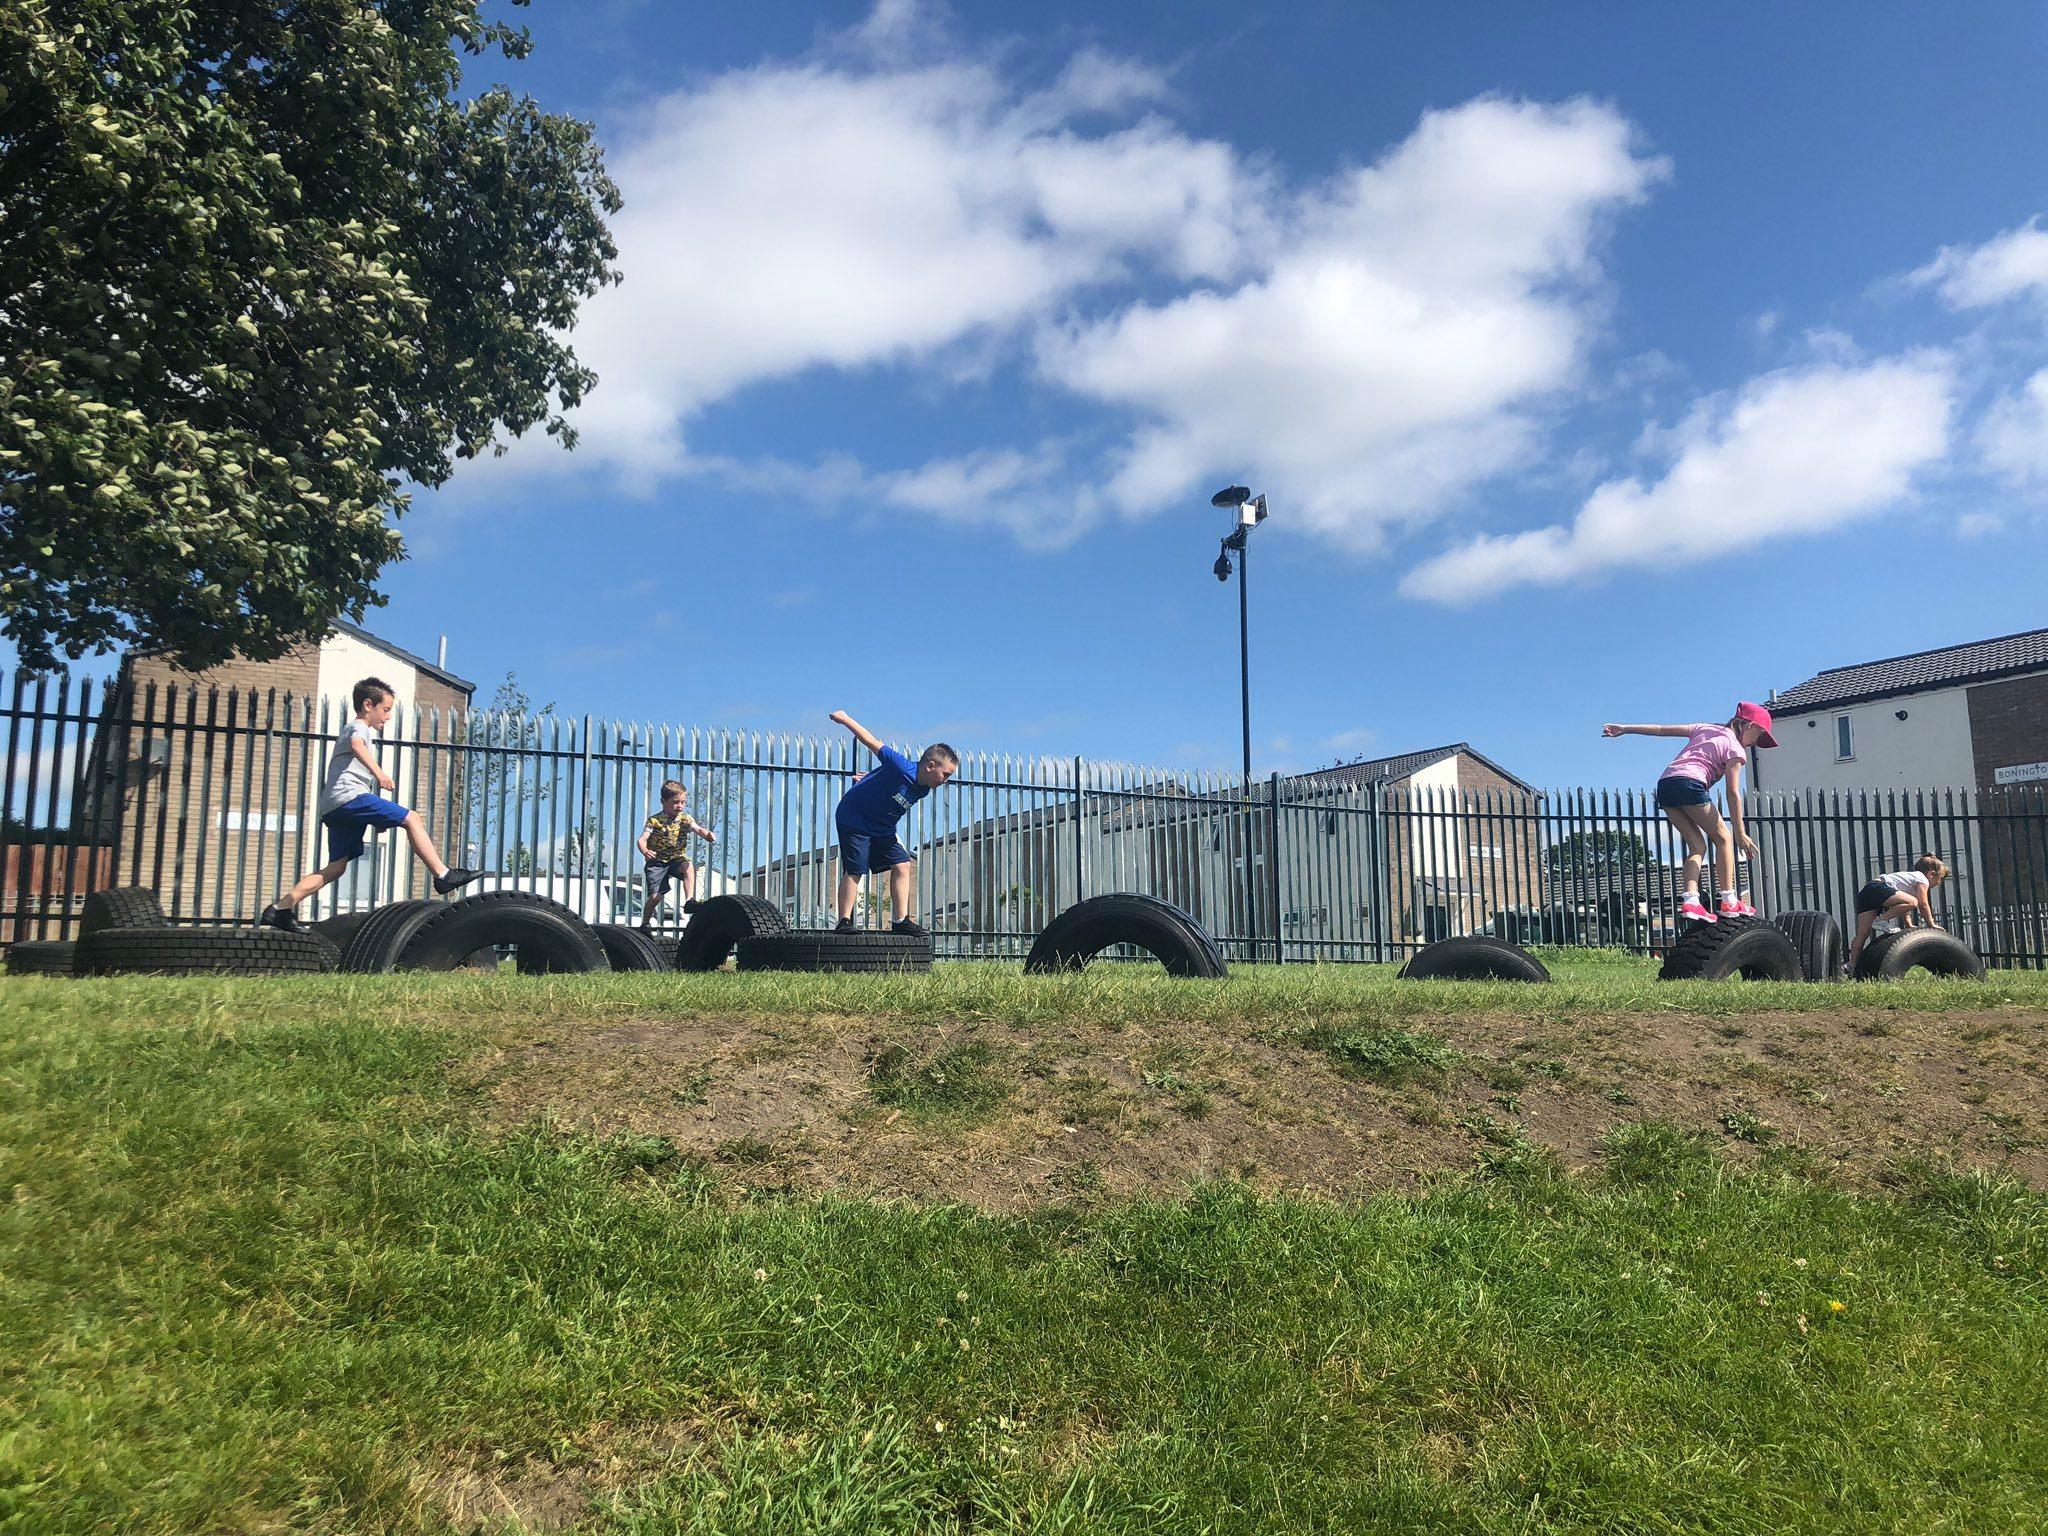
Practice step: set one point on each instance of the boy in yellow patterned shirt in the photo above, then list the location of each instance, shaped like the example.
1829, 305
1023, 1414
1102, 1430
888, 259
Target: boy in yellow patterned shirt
663, 844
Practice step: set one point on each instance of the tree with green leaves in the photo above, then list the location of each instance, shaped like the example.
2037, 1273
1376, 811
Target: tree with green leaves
262, 266
1588, 855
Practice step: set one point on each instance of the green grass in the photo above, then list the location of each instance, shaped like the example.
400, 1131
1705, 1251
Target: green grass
1589, 984
262, 1269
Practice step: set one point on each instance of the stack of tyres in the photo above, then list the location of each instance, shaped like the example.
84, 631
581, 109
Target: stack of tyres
123, 932
829, 949
443, 935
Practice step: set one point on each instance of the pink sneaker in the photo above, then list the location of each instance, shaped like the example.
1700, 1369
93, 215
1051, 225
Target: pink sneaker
1691, 911
1736, 909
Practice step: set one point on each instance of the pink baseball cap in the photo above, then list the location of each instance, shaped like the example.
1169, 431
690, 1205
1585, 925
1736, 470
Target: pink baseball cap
1756, 714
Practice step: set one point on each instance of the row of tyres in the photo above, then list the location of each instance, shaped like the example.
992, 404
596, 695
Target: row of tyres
124, 931
1794, 946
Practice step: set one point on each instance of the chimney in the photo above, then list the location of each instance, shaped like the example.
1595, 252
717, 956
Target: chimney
441, 655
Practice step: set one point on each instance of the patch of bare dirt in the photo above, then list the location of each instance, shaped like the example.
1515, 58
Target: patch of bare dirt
541, 1496
1145, 1109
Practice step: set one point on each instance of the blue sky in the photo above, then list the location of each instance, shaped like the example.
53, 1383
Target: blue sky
1599, 364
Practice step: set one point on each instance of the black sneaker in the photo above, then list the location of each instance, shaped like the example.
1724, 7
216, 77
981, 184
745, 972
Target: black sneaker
845, 925
281, 917
443, 884
908, 926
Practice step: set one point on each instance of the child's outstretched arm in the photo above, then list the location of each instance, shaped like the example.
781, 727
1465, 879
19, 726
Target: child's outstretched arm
1644, 730
1927, 905
703, 831
861, 733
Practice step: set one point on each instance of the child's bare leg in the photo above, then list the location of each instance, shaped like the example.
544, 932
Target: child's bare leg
689, 883
325, 875
849, 893
423, 845
1903, 910
902, 890
1863, 922
1717, 832
1695, 847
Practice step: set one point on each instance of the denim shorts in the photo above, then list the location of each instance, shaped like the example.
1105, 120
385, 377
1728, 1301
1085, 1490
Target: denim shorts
1678, 790
657, 875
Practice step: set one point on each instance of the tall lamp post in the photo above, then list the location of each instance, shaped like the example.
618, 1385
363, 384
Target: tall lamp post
1247, 512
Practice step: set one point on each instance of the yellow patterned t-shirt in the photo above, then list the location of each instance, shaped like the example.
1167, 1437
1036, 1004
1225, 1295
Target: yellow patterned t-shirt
667, 836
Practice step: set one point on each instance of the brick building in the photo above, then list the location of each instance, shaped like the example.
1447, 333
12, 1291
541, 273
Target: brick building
1462, 840
1964, 717
206, 783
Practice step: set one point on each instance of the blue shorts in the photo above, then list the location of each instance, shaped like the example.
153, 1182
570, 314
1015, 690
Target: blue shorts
1681, 791
350, 824
863, 853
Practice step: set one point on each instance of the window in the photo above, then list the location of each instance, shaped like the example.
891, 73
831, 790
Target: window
258, 821
1845, 739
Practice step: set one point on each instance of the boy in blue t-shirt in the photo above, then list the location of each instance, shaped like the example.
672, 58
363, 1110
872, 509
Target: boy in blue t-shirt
867, 818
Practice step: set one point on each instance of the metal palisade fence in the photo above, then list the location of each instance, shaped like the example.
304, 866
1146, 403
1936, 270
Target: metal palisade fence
210, 798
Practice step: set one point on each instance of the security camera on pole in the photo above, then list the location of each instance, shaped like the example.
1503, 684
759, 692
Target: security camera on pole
1248, 512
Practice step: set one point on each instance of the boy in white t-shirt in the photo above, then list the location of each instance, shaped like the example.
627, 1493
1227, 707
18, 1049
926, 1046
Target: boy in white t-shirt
1897, 899
350, 808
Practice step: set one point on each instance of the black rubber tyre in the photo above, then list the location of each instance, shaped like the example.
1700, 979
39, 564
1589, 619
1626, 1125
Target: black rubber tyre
1817, 938
1890, 956
1474, 958
1748, 948
829, 950
1162, 930
124, 906
203, 952
378, 943
41, 957
1189, 923
341, 929
550, 938
629, 949
717, 925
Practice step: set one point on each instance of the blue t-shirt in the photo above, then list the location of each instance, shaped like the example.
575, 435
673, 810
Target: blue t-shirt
878, 802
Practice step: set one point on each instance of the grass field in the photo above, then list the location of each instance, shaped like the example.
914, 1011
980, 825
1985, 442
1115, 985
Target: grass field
276, 1256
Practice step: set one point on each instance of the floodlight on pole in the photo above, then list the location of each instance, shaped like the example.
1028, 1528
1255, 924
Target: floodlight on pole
1248, 512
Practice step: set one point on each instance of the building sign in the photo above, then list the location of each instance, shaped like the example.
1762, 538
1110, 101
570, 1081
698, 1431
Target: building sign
2020, 773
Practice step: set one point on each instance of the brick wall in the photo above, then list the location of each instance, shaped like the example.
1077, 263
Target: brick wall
210, 782
217, 786
2008, 724
1484, 840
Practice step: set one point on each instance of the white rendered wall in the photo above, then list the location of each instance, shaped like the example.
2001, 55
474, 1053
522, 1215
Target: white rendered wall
1431, 845
1929, 749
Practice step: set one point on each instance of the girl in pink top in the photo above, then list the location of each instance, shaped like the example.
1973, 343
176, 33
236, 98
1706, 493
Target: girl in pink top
1711, 753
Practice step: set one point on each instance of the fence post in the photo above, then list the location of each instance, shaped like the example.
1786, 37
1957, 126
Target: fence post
1273, 869
1080, 853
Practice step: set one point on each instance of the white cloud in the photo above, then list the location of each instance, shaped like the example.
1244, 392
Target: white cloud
2003, 267
2012, 438
1394, 348
792, 217
1979, 525
1794, 452
1368, 346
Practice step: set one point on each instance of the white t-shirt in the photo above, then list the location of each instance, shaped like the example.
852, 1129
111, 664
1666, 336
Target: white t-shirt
1910, 882
347, 775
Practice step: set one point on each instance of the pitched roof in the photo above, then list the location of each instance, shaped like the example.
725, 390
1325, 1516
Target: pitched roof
1389, 770
418, 663
1948, 667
